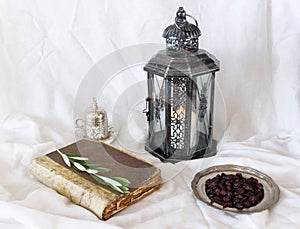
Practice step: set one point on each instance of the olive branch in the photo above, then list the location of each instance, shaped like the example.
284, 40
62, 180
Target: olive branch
77, 162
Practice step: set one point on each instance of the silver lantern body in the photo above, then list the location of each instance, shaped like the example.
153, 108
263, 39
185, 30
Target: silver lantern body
180, 103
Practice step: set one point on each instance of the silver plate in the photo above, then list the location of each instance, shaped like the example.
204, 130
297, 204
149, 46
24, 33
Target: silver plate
271, 190
112, 134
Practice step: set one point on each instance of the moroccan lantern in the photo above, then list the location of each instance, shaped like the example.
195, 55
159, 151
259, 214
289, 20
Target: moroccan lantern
180, 102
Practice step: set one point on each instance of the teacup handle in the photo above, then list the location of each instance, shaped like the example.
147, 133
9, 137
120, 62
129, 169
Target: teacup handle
79, 123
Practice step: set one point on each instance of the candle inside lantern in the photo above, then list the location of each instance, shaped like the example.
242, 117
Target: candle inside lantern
179, 113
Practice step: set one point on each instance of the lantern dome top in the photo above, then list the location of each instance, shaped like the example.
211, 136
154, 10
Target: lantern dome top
182, 35
182, 29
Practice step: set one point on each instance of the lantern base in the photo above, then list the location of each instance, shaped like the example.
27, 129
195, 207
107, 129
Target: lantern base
204, 153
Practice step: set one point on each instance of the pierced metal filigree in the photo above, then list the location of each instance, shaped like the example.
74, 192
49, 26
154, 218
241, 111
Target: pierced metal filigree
178, 102
182, 44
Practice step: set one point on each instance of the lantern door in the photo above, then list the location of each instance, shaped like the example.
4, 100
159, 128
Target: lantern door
156, 114
202, 114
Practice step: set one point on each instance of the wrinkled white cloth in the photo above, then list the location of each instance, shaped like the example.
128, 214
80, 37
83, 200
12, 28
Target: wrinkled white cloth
49, 48
26, 203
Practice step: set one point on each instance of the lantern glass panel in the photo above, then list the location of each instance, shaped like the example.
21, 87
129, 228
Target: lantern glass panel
157, 112
201, 127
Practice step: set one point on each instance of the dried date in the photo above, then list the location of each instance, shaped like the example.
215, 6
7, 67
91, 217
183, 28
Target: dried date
234, 190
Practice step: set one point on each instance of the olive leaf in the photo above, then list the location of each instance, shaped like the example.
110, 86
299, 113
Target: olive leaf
79, 166
92, 171
65, 158
79, 158
121, 180
111, 183
80, 163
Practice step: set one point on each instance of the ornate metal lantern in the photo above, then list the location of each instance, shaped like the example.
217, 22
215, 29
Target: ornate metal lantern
181, 82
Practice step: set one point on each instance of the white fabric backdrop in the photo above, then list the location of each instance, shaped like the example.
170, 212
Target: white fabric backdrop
48, 47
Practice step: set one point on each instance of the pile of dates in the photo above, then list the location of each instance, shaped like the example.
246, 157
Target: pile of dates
234, 190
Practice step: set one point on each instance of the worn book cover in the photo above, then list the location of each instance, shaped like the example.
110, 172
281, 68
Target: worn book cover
90, 186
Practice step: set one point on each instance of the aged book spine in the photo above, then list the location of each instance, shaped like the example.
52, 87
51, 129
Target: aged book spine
102, 202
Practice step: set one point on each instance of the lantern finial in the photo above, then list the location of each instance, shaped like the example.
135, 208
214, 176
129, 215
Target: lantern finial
182, 36
180, 15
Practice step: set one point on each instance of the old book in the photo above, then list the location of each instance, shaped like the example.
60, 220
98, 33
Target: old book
82, 189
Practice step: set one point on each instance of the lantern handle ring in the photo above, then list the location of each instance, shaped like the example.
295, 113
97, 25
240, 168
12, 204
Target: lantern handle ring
196, 23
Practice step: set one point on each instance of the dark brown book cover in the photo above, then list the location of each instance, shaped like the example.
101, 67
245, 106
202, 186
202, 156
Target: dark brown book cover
82, 189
